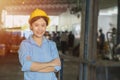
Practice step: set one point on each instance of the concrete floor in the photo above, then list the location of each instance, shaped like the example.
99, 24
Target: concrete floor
10, 70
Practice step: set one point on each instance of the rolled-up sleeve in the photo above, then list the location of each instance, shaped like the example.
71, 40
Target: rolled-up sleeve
57, 68
23, 52
55, 55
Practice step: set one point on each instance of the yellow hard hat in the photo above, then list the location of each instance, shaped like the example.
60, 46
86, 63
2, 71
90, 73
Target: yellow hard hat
38, 12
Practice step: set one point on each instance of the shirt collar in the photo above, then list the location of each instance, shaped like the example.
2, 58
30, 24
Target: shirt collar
33, 42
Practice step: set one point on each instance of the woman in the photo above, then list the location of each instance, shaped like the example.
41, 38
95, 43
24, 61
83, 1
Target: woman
38, 55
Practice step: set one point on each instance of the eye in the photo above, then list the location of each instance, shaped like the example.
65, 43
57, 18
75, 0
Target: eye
43, 25
36, 25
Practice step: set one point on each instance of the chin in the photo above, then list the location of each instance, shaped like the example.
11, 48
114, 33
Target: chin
39, 36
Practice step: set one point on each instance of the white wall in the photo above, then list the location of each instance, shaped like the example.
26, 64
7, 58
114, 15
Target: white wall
107, 22
104, 22
114, 20
66, 20
107, 19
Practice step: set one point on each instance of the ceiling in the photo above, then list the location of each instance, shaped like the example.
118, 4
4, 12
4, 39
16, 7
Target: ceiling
53, 7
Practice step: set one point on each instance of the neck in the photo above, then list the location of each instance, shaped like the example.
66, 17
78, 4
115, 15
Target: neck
38, 40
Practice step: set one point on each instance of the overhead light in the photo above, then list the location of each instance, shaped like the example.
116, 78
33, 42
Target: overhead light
23, 2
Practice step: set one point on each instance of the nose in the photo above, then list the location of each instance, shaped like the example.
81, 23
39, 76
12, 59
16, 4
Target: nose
40, 28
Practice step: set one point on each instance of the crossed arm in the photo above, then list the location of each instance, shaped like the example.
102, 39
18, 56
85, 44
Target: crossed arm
46, 66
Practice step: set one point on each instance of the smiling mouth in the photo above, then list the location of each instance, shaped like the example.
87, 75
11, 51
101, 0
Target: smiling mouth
39, 32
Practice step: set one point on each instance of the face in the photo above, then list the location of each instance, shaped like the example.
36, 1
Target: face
39, 27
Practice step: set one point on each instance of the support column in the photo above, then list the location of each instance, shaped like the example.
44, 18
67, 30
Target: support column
2, 4
0, 15
88, 41
118, 23
1, 19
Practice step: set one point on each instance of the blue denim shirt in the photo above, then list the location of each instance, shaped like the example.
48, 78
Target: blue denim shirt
44, 53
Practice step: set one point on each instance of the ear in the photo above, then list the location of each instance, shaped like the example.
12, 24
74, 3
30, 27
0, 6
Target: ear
31, 28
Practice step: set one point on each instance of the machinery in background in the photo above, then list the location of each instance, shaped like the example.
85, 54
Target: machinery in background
113, 48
